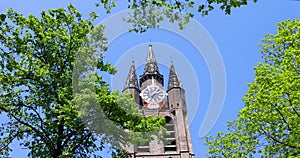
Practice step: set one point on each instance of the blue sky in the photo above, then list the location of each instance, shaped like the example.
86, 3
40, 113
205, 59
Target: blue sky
236, 36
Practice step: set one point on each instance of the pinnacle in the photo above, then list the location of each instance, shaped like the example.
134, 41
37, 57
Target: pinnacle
131, 81
174, 80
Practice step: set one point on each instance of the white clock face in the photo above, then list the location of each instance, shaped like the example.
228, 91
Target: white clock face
153, 94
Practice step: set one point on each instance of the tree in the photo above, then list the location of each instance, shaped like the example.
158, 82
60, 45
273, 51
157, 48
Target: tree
269, 124
47, 87
149, 13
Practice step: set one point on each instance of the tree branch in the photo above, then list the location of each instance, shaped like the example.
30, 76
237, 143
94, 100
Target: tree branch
20, 104
44, 137
291, 105
69, 136
278, 141
13, 137
86, 137
284, 120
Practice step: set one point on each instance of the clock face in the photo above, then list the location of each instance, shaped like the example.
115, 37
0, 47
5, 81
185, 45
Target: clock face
153, 94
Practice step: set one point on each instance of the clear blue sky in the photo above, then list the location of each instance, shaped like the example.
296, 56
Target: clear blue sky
237, 37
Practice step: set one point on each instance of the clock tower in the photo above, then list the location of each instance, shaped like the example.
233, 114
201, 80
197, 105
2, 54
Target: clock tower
152, 99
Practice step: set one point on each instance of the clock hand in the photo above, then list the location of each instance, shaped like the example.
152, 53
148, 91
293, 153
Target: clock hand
155, 92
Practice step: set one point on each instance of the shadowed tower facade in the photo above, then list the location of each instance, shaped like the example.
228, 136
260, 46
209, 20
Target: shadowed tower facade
152, 99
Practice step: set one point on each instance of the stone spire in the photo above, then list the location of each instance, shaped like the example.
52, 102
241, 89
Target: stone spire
174, 80
131, 81
151, 64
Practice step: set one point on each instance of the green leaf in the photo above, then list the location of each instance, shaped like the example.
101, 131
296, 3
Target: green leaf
2, 17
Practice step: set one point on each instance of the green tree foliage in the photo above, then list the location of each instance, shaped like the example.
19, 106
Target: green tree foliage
148, 13
269, 124
48, 84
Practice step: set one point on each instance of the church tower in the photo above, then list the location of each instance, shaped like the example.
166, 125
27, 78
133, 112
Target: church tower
153, 100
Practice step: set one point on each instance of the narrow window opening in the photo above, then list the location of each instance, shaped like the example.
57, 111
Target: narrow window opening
143, 148
171, 139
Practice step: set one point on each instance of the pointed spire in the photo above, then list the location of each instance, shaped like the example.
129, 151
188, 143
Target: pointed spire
150, 52
174, 80
131, 81
151, 64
